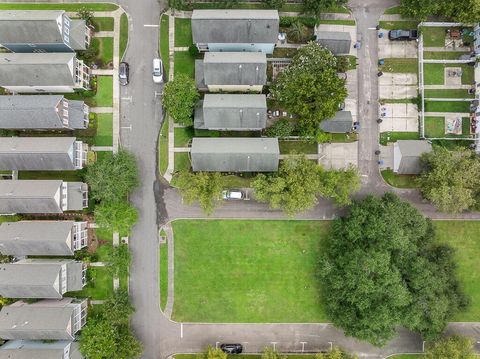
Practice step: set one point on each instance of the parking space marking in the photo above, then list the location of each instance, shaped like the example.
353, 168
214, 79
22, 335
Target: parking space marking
181, 330
147, 25
331, 345
274, 343
303, 346
216, 345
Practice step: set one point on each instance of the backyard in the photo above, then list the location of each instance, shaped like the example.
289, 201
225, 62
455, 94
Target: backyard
386, 137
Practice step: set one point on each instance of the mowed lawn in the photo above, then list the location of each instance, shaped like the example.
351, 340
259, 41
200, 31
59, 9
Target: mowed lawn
248, 271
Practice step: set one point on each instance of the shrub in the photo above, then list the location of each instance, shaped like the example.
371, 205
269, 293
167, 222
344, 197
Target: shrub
282, 128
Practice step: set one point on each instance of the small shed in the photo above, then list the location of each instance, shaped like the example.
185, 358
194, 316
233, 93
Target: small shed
341, 123
406, 156
338, 42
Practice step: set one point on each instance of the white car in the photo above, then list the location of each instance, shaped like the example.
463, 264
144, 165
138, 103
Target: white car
233, 194
157, 71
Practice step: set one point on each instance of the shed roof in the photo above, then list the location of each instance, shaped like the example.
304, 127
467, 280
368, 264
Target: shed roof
235, 154
39, 238
406, 155
28, 349
338, 42
341, 123
37, 69
235, 26
29, 196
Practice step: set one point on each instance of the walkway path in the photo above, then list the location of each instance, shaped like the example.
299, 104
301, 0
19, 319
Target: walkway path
102, 148
102, 72
104, 34
101, 109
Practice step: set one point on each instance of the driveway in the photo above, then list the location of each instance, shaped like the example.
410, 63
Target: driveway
338, 155
402, 117
398, 85
395, 49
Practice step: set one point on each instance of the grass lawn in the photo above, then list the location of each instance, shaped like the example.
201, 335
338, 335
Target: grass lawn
184, 64
123, 34
183, 32
163, 147
105, 49
297, 146
343, 137
181, 161
104, 252
50, 175
103, 155
163, 275
433, 36
453, 93
400, 181
237, 181
99, 286
393, 25
104, 95
244, 356
66, 7
443, 55
464, 237
9, 219
182, 136
435, 127
447, 106
434, 74
104, 136
400, 65
104, 234
272, 265
386, 137
164, 21
337, 22
103, 23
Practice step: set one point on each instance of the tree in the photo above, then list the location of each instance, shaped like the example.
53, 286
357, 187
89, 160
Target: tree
281, 128
112, 178
202, 187
119, 260
340, 184
450, 179
89, 56
215, 353
454, 347
270, 353
98, 339
295, 32
315, 7
117, 216
462, 11
275, 4
383, 268
179, 99
336, 353
310, 87
86, 15
118, 309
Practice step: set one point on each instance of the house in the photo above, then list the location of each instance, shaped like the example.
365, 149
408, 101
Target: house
42, 31
235, 30
43, 72
42, 238
342, 122
231, 112
47, 319
338, 42
42, 196
42, 154
235, 154
28, 349
406, 156
231, 72
41, 278
45, 112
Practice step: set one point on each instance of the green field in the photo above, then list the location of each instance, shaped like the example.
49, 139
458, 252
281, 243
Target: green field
448, 93
164, 21
104, 95
182, 136
103, 23
104, 136
447, 106
163, 275
434, 74
248, 271
183, 32
434, 36
399, 181
298, 146
181, 161
386, 137
400, 65
443, 55
184, 63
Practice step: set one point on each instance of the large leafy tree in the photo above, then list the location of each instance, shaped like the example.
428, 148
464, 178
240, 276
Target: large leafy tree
112, 178
315, 7
202, 187
383, 268
454, 347
462, 11
451, 179
340, 184
117, 216
179, 98
310, 88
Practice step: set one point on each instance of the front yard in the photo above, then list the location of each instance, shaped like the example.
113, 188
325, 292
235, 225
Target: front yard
183, 32
104, 136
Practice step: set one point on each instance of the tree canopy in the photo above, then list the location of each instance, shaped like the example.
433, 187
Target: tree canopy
383, 268
298, 182
451, 179
335, 353
462, 11
310, 87
215, 353
202, 187
315, 7
112, 178
179, 98
454, 347
117, 216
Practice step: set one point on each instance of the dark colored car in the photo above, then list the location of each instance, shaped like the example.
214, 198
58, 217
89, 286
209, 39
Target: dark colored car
402, 35
232, 348
123, 72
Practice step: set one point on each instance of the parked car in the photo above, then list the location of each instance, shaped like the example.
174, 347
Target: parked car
232, 348
402, 35
123, 73
233, 194
157, 71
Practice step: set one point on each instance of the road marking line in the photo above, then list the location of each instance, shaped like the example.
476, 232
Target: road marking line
274, 343
303, 346
146, 25
126, 127
181, 330
216, 345
331, 345
372, 28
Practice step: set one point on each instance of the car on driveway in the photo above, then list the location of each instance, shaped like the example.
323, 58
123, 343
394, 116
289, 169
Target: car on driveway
157, 71
123, 73
402, 35
233, 194
232, 348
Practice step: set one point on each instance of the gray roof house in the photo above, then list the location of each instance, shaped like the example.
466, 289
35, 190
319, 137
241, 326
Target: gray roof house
235, 30
42, 154
406, 156
41, 278
42, 196
235, 154
43, 72
231, 112
28, 349
46, 112
42, 238
42, 31
48, 319
342, 122
231, 71
338, 42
